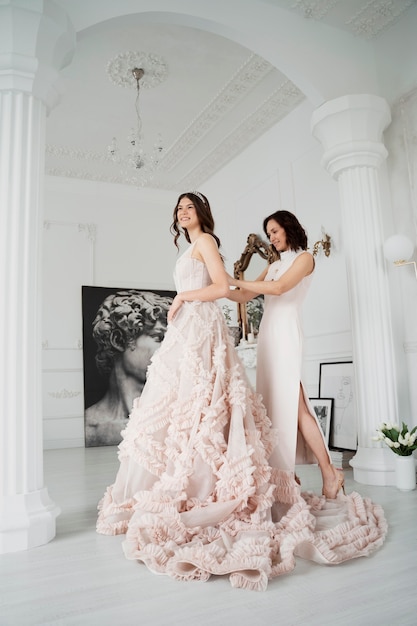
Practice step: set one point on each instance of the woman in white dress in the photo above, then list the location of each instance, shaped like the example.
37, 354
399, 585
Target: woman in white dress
195, 494
279, 352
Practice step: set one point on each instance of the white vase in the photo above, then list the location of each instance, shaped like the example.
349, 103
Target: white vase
405, 473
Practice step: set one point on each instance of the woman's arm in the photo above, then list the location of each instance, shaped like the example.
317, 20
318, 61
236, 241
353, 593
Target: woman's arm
302, 266
207, 252
240, 295
243, 295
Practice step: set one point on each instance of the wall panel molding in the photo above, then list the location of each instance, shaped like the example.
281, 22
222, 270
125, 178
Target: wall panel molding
68, 263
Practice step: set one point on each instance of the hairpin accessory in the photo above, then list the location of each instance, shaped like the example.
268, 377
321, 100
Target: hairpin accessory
199, 195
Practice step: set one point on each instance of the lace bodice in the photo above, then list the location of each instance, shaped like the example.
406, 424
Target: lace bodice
190, 273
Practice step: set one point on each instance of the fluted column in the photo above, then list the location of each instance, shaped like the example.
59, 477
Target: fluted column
350, 129
28, 71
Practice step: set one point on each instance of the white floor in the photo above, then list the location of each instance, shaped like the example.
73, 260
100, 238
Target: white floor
82, 578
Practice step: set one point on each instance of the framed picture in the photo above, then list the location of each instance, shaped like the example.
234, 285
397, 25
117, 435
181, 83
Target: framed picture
323, 408
122, 328
254, 312
337, 382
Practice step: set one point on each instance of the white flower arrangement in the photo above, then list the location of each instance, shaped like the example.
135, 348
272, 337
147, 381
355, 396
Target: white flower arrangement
227, 312
401, 440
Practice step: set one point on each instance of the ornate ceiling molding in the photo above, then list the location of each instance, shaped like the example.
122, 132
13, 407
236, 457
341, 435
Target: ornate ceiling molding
314, 9
376, 16
270, 112
266, 115
62, 160
76, 153
103, 177
119, 69
85, 175
244, 80
371, 19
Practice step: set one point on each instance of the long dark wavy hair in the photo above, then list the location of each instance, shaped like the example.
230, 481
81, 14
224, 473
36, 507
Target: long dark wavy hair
295, 234
204, 216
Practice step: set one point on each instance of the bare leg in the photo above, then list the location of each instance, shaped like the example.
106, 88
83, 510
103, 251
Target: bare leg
307, 425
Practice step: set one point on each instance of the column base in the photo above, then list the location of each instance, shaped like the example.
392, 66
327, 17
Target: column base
374, 466
27, 521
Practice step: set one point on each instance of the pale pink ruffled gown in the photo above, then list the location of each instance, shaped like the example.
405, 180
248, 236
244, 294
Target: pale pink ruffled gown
194, 492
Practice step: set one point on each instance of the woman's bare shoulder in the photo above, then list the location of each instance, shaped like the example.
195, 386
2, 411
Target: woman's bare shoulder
306, 260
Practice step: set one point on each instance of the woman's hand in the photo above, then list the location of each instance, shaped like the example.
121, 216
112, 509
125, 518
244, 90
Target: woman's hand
232, 280
175, 307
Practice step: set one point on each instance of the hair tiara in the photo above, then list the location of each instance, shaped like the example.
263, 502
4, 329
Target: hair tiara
199, 195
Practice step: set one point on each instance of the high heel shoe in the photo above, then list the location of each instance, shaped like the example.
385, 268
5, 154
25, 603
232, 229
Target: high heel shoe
338, 483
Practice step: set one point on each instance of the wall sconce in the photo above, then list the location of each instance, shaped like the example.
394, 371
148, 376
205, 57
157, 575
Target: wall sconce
325, 244
399, 249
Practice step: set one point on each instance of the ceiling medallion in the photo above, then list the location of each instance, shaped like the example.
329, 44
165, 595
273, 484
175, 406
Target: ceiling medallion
120, 68
137, 69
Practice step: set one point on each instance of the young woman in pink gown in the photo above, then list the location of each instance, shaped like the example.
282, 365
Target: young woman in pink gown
195, 493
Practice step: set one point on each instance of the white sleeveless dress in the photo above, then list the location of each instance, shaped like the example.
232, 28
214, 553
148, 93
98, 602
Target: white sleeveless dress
194, 491
279, 364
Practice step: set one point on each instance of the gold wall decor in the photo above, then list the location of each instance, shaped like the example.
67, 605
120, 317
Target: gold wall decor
325, 244
254, 245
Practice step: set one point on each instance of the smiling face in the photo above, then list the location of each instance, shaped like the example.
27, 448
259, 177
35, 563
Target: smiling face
276, 235
187, 214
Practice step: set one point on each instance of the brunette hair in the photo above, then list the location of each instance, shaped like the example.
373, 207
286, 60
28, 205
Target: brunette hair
205, 217
295, 234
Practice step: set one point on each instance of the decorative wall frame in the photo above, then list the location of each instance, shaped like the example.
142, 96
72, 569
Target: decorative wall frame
254, 246
337, 382
61, 329
323, 408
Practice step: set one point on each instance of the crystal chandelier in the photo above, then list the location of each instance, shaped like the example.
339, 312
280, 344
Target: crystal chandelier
136, 69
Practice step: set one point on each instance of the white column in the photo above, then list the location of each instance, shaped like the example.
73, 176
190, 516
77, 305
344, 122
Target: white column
34, 42
350, 129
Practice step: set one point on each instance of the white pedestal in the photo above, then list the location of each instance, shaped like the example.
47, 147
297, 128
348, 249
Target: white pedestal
247, 354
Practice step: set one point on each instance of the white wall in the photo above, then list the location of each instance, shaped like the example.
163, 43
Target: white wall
402, 170
124, 239
395, 53
95, 234
282, 171
288, 175
126, 242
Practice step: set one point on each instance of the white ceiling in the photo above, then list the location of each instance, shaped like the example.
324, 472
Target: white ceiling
217, 98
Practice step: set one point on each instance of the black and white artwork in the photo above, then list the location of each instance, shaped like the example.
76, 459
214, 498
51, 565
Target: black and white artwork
337, 382
323, 410
122, 329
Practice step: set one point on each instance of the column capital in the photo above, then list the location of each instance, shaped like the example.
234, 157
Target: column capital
37, 40
350, 129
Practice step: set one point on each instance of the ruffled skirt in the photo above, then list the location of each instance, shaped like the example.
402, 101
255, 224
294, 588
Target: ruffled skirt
195, 494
